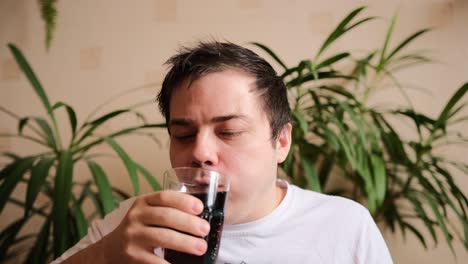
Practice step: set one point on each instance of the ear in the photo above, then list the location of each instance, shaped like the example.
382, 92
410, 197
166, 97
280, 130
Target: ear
283, 143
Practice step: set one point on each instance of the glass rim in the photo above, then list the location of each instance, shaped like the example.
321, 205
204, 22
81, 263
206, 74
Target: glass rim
171, 177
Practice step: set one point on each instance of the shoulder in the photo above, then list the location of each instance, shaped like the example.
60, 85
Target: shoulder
314, 199
353, 228
333, 209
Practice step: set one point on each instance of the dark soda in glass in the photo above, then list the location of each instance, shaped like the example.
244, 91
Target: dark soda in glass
213, 212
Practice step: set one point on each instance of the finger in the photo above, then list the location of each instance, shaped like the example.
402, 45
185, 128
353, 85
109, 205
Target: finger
175, 219
178, 200
168, 238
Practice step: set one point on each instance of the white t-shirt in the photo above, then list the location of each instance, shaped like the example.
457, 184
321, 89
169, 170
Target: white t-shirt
307, 227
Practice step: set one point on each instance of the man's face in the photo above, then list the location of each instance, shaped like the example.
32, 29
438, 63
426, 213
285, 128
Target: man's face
217, 122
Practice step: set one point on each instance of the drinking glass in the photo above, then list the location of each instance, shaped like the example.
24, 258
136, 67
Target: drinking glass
211, 188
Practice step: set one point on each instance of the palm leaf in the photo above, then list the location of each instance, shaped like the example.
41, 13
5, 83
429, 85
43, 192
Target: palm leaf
71, 115
45, 133
440, 220
128, 162
49, 15
123, 195
121, 132
104, 187
94, 124
421, 212
342, 28
311, 174
445, 114
61, 198
333, 59
7, 237
149, 177
380, 178
13, 174
405, 42
38, 253
320, 75
390, 139
31, 76
463, 221
28, 71
87, 192
299, 118
39, 173
271, 53
338, 90
80, 219
416, 233
386, 43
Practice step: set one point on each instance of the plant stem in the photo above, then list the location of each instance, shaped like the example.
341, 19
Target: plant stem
57, 133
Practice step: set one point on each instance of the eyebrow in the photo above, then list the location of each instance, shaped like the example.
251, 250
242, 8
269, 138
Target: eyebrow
216, 119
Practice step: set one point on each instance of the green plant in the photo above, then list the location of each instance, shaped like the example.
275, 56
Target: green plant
50, 174
336, 133
49, 16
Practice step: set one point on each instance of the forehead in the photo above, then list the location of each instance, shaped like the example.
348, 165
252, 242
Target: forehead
226, 92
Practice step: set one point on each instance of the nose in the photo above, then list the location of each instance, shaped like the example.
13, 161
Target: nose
204, 152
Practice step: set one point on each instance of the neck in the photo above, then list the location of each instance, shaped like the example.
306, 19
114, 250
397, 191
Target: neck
265, 204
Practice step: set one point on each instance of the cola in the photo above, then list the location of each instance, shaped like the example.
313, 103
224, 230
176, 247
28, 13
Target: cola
213, 212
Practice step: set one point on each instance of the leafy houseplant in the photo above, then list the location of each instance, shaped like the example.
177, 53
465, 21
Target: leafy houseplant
50, 174
336, 133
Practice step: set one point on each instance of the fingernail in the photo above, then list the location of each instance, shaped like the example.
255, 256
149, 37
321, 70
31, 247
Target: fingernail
197, 207
201, 246
205, 228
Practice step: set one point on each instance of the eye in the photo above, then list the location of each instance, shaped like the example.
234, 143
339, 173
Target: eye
185, 138
228, 134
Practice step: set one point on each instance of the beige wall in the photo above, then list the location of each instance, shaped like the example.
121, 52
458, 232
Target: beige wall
102, 48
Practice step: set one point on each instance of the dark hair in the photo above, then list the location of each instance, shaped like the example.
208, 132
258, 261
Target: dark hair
208, 57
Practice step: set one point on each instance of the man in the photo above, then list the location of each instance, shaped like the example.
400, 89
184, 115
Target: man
227, 110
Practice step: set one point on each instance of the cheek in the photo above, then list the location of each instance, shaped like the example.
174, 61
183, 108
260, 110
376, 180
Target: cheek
251, 165
177, 155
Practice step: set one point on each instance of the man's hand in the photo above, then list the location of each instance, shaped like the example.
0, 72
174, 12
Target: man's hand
166, 219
